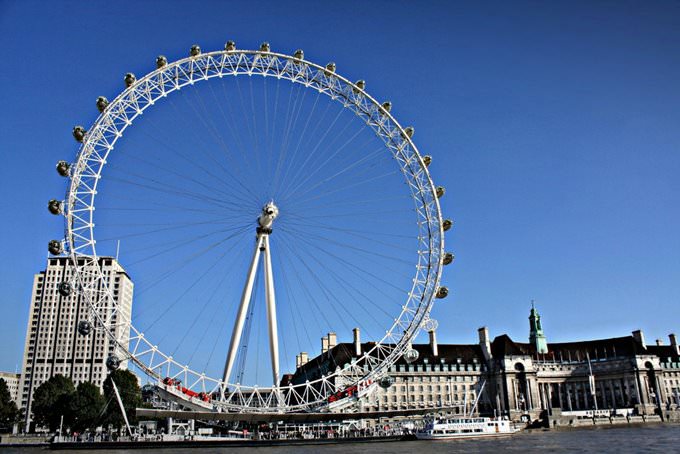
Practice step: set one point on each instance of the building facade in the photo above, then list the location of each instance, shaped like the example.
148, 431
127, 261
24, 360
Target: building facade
622, 373
53, 343
443, 375
12, 380
521, 380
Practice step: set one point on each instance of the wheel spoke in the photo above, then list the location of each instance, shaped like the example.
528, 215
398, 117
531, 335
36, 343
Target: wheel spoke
188, 191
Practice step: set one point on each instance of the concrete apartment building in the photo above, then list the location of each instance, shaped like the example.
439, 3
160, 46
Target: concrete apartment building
53, 342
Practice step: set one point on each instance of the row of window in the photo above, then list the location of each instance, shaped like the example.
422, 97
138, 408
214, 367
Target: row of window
436, 378
430, 398
442, 367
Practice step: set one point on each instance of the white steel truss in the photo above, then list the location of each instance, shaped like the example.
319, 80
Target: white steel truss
80, 242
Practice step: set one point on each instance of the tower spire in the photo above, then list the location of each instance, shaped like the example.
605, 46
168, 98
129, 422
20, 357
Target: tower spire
536, 336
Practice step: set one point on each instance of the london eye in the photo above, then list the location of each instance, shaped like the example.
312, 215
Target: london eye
257, 200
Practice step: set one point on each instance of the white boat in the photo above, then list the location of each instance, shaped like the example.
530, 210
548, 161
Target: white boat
465, 427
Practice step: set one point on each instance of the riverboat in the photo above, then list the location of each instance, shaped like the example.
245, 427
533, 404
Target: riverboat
465, 427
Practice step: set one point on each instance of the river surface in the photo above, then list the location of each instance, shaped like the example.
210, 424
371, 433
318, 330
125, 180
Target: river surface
657, 438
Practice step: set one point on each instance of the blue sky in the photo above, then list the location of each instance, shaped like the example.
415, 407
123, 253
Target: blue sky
552, 125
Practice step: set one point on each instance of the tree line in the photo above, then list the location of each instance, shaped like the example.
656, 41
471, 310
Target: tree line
84, 407
9, 413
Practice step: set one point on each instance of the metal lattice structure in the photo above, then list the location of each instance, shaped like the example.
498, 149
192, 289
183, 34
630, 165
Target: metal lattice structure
80, 243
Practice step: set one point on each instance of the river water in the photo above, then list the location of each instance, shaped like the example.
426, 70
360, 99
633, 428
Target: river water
657, 438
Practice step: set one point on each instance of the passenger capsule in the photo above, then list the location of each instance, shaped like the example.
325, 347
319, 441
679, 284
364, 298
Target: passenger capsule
264, 47
55, 247
442, 292
408, 132
448, 258
411, 355
195, 50
299, 54
360, 84
161, 61
447, 224
54, 206
65, 289
387, 106
102, 103
84, 327
427, 160
112, 362
330, 67
386, 382
440, 191
230, 46
130, 79
63, 168
79, 133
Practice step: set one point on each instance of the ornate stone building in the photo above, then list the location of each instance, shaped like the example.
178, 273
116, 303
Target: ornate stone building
443, 375
617, 373
522, 380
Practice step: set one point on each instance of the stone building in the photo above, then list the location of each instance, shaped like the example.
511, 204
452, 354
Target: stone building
53, 344
617, 373
443, 375
522, 380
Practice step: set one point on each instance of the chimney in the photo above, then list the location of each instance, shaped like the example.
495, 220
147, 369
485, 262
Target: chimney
332, 340
674, 343
485, 343
659, 342
324, 344
640, 337
297, 361
304, 358
433, 343
357, 342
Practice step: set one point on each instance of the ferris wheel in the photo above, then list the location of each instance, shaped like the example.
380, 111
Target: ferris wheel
253, 214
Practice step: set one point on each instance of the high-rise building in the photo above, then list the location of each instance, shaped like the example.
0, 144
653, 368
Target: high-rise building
54, 344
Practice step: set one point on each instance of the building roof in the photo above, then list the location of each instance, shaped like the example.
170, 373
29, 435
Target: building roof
598, 348
504, 346
320, 365
664, 352
343, 353
450, 353
501, 347
579, 351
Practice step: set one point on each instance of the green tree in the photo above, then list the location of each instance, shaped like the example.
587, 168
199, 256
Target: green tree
85, 407
49, 401
9, 412
130, 393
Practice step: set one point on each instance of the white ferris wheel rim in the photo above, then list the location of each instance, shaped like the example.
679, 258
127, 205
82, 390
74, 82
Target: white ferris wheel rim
120, 113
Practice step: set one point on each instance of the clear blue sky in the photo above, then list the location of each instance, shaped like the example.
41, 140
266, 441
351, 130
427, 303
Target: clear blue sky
554, 127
